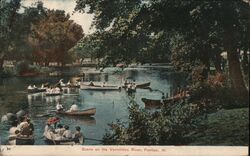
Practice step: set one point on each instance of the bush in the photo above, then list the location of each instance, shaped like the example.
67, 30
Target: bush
166, 127
26, 67
216, 93
8, 72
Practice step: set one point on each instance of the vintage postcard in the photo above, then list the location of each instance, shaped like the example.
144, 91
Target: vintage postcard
122, 77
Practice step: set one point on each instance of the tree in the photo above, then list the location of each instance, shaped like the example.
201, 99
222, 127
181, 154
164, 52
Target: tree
53, 36
211, 26
8, 13
91, 46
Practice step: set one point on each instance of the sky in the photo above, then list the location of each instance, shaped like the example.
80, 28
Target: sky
82, 19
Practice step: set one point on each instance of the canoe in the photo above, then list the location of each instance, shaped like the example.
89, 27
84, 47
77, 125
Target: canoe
143, 85
87, 112
152, 103
50, 141
149, 103
140, 85
37, 90
99, 87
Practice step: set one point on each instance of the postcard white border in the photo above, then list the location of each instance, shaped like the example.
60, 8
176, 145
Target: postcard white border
124, 150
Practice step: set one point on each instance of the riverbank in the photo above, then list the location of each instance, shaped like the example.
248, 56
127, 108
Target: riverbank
75, 70
224, 127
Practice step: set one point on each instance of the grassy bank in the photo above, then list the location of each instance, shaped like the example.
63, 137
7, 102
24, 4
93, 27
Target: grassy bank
224, 127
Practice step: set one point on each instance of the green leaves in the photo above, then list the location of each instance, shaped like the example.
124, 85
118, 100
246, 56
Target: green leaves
53, 36
157, 128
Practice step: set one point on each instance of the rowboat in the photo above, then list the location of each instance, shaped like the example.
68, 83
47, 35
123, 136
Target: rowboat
143, 85
36, 90
99, 87
87, 112
21, 140
52, 140
149, 103
152, 103
140, 85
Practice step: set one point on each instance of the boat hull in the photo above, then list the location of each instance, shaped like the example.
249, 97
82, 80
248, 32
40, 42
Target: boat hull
25, 141
61, 142
87, 112
143, 85
99, 88
150, 103
53, 94
37, 90
48, 140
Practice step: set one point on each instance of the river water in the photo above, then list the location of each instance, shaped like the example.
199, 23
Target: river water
110, 105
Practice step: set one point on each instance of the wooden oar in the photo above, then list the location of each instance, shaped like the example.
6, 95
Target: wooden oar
43, 115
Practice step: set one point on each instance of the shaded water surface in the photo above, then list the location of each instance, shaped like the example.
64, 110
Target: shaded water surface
110, 105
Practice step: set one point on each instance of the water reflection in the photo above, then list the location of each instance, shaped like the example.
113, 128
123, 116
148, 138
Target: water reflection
110, 105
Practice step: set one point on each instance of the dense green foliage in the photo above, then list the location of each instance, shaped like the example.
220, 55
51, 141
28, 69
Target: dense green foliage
190, 33
8, 13
53, 36
171, 125
36, 34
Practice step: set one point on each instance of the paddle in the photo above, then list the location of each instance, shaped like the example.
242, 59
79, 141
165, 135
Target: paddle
44, 115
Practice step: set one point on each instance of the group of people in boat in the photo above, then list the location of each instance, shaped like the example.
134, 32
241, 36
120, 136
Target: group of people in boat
73, 108
31, 87
92, 84
55, 90
62, 132
23, 128
130, 86
68, 84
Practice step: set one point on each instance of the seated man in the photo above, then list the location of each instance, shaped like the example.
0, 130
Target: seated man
49, 131
68, 84
57, 90
42, 86
30, 87
60, 129
22, 122
67, 134
91, 83
59, 107
73, 108
30, 127
78, 135
26, 127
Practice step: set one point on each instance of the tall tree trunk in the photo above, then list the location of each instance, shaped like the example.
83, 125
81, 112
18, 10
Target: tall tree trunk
245, 63
235, 72
1, 64
217, 63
